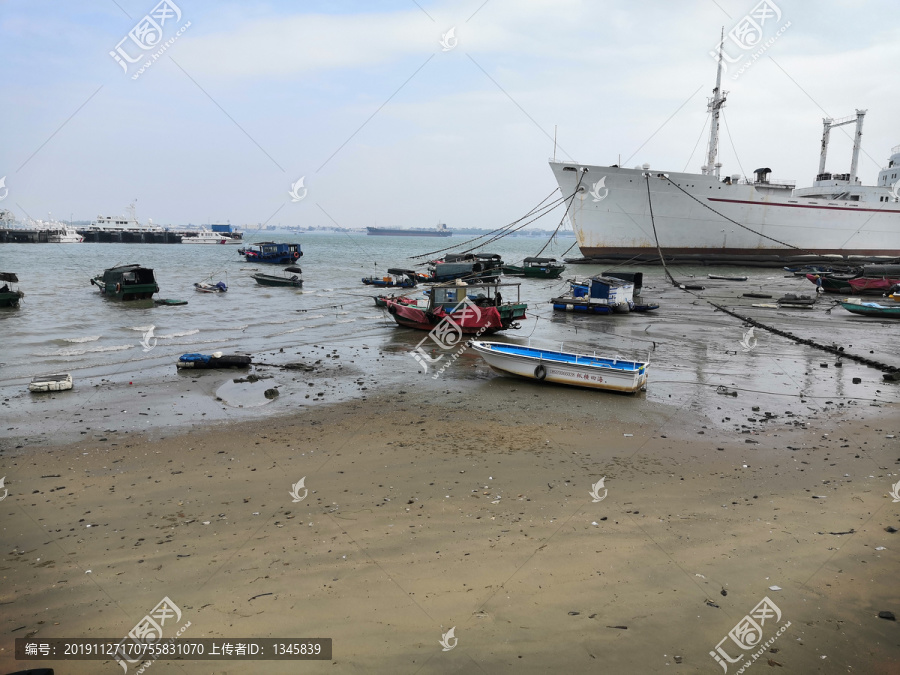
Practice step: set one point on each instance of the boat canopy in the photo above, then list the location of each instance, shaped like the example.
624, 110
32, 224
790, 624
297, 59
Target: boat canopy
397, 270
540, 261
487, 256
293, 268
9, 276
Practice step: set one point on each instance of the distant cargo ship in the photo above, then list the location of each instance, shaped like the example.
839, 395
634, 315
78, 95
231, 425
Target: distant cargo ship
440, 231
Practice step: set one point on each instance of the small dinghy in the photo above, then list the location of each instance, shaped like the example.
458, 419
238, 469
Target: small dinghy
579, 370
204, 287
214, 360
55, 382
864, 308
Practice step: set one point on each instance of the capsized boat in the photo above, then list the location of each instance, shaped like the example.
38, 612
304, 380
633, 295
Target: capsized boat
214, 360
54, 382
9, 293
572, 368
468, 308
284, 280
272, 253
886, 310
204, 287
395, 278
127, 282
169, 302
539, 268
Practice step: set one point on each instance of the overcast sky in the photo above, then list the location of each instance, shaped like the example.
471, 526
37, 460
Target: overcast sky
386, 125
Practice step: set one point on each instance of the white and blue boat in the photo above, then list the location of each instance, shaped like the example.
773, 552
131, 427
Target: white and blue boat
559, 367
604, 294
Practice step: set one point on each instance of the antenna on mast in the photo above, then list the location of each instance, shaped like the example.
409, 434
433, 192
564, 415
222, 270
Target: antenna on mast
714, 105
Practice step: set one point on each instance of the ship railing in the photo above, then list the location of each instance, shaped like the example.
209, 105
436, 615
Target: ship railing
782, 182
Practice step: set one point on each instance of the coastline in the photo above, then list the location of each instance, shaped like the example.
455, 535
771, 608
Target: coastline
470, 511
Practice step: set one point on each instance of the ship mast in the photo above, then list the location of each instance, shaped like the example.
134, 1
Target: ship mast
715, 104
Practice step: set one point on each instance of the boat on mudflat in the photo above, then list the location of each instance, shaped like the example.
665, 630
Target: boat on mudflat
604, 294
572, 368
395, 278
881, 310
55, 382
9, 294
127, 282
272, 253
465, 308
284, 280
537, 268
214, 360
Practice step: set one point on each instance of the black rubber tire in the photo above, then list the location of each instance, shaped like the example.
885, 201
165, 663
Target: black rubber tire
540, 372
392, 308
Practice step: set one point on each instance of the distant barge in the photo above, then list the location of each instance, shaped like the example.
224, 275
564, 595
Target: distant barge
440, 231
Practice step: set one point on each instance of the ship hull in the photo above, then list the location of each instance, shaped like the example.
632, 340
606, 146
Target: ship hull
380, 232
612, 220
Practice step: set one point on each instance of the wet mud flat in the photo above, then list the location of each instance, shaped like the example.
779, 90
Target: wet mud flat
550, 532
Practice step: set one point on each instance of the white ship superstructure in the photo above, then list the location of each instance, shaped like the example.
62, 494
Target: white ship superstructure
707, 217
208, 237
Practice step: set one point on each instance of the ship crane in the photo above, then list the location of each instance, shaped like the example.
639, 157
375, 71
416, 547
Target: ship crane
829, 124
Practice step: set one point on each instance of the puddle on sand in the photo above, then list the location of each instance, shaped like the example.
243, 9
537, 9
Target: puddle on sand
245, 394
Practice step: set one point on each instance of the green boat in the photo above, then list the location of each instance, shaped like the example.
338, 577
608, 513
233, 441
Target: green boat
540, 268
881, 311
127, 282
9, 295
284, 280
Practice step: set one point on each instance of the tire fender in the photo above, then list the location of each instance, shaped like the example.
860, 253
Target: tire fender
540, 372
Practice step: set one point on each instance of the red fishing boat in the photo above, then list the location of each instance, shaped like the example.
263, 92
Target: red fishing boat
468, 308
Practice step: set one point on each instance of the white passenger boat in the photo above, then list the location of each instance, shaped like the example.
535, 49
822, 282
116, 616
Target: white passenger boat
579, 370
67, 235
209, 237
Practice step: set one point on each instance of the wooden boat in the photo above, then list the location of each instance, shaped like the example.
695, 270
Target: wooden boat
381, 300
485, 267
9, 294
395, 278
540, 268
600, 295
876, 309
169, 302
272, 253
873, 284
214, 360
580, 370
462, 308
204, 287
796, 301
127, 282
55, 382
835, 283
284, 280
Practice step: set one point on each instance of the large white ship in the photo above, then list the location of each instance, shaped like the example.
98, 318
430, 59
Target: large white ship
706, 217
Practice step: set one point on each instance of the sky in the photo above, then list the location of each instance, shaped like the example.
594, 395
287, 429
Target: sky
391, 119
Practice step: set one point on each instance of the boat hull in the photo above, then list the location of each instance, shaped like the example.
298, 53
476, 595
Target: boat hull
269, 280
589, 373
11, 298
611, 218
489, 320
873, 309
